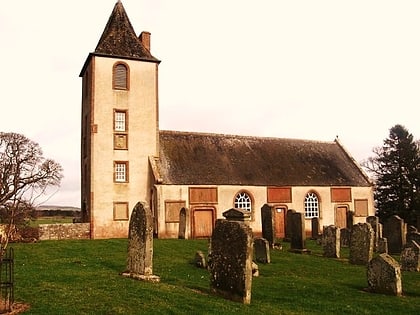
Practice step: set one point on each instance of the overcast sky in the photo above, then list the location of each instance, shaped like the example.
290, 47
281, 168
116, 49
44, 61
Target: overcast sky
309, 69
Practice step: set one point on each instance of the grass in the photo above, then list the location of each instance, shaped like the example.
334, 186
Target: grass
82, 277
50, 220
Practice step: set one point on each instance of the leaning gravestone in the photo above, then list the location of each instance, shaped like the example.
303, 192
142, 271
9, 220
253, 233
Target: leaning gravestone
361, 244
182, 223
262, 250
394, 231
297, 233
268, 224
315, 228
140, 245
384, 275
231, 257
410, 257
331, 241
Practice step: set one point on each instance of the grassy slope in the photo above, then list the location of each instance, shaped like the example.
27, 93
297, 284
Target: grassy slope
82, 277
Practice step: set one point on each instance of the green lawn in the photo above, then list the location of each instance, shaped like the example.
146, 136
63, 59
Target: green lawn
82, 277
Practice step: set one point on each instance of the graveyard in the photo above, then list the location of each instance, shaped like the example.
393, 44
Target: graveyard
84, 277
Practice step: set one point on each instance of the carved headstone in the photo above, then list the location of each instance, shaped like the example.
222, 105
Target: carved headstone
268, 224
262, 250
297, 232
331, 241
410, 257
182, 223
384, 275
361, 244
231, 258
140, 245
394, 231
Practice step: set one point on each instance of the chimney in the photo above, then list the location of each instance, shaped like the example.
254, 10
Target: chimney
145, 40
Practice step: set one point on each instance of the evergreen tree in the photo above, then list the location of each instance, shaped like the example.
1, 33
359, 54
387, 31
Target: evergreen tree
396, 168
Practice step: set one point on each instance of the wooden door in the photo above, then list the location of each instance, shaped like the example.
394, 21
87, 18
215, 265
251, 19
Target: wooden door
280, 213
203, 223
341, 217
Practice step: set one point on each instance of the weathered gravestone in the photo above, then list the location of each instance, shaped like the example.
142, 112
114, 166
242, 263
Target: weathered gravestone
331, 241
374, 223
297, 233
231, 257
315, 228
361, 244
288, 229
394, 231
268, 224
140, 245
345, 237
410, 257
384, 275
413, 236
182, 223
262, 250
200, 259
382, 246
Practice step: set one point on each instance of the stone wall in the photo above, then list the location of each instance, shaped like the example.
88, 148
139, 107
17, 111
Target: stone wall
64, 231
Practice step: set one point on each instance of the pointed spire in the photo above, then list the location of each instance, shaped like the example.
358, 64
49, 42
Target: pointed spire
119, 37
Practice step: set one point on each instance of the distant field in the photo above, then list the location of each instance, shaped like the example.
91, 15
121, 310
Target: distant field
51, 220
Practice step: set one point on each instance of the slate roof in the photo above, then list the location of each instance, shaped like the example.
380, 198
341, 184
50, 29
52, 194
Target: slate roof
213, 159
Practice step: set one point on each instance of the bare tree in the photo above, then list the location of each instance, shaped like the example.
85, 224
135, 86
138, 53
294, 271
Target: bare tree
24, 176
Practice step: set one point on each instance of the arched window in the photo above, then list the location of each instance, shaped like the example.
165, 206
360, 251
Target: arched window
243, 201
120, 77
311, 205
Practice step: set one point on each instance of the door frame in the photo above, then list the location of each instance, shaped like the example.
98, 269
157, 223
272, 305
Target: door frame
192, 217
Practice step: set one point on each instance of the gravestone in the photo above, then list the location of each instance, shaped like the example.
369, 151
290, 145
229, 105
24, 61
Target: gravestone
140, 245
288, 229
231, 257
382, 246
331, 241
297, 233
410, 257
315, 228
182, 223
268, 224
384, 275
345, 237
350, 219
200, 259
374, 222
361, 244
413, 236
262, 250
394, 231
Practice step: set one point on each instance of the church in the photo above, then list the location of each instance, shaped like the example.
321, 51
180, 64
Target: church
126, 158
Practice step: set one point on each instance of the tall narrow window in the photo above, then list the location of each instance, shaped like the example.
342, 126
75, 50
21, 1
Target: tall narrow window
121, 172
120, 119
243, 201
311, 205
120, 77
120, 130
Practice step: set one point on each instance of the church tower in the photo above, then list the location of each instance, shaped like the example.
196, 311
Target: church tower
120, 128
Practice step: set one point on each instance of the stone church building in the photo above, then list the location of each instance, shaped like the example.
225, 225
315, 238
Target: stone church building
126, 158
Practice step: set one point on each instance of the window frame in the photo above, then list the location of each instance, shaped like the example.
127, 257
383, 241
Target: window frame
250, 201
116, 84
308, 206
116, 172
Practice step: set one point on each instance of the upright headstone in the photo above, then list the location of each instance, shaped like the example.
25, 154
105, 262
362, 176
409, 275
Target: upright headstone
361, 244
200, 259
331, 241
413, 236
374, 222
182, 223
288, 227
345, 237
394, 231
350, 219
262, 250
384, 275
410, 257
231, 257
315, 228
140, 245
382, 246
268, 224
297, 232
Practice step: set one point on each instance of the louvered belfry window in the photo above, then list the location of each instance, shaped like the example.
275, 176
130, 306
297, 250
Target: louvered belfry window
120, 77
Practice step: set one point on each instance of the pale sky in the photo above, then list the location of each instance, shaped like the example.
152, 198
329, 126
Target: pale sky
309, 69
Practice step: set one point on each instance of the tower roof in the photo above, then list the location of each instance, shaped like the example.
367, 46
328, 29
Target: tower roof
119, 38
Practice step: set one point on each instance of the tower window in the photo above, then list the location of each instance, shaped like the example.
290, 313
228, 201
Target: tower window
120, 120
121, 172
243, 201
120, 77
